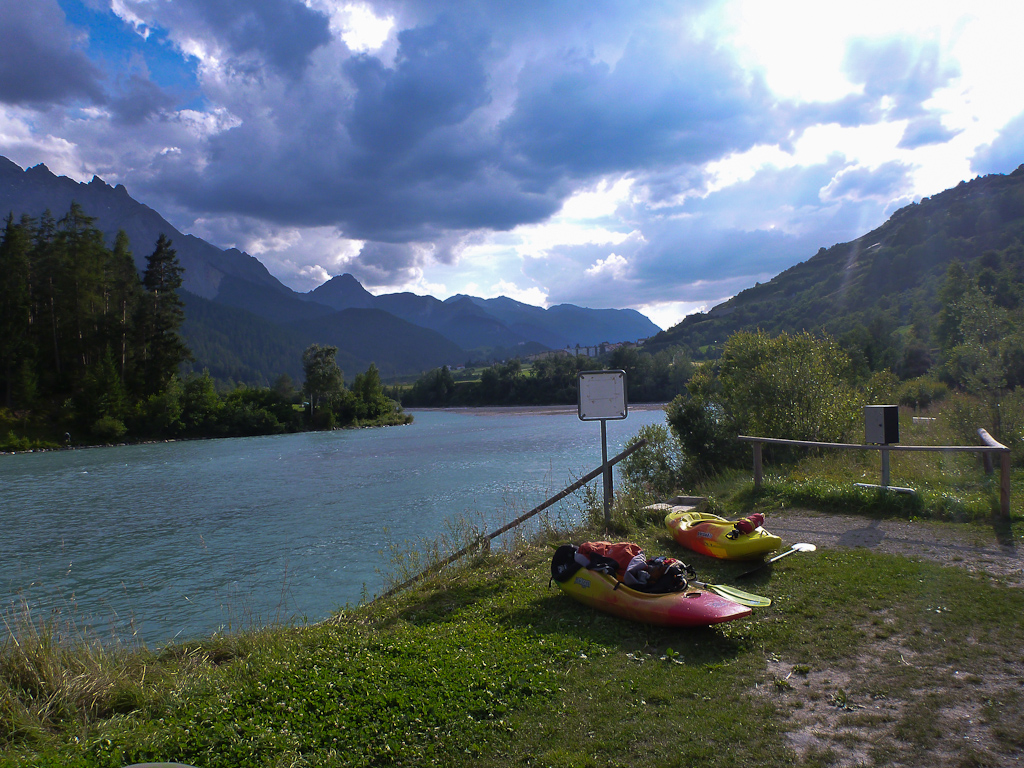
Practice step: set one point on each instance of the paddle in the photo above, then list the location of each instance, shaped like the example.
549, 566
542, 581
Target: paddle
736, 595
766, 563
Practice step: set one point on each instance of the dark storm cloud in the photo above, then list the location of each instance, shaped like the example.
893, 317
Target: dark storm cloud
408, 154
439, 79
384, 263
285, 32
281, 33
140, 99
1004, 154
657, 105
40, 58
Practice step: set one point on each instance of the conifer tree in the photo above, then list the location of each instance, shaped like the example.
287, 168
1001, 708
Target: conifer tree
15, 312
121, 301
161, 313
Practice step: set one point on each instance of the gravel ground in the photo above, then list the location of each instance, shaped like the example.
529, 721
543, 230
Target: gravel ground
974, 547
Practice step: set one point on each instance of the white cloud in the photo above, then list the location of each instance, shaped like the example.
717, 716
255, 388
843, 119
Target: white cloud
532, 295
665, 314
612, 266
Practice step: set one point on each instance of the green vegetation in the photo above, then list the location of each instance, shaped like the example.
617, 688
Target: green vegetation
85, 344
90, 352
552, 380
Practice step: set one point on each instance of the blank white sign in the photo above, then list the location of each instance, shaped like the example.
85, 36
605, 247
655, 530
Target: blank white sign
602, 395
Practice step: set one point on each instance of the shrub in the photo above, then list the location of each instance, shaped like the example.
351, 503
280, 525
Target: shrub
654, 468
794, 387
706, 434
921, 392
109, 429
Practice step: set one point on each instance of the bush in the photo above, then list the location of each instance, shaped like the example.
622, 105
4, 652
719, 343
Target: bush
795, 387
109, 429
706, 434
921, 392
654, 469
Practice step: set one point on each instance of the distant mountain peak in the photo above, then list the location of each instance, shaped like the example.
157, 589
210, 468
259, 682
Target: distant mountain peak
342, 292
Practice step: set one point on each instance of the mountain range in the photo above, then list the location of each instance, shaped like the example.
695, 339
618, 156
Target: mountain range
244, 324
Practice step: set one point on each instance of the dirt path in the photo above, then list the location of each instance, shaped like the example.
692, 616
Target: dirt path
974, 547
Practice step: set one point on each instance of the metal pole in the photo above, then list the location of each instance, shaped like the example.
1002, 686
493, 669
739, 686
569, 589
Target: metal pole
607, 475
885, 468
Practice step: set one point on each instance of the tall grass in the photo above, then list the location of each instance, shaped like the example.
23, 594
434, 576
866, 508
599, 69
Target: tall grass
55, 674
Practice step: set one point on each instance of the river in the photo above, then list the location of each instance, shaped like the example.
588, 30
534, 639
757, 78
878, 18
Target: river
175, 540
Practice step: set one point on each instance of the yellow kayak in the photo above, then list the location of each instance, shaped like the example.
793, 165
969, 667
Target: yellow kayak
715, 536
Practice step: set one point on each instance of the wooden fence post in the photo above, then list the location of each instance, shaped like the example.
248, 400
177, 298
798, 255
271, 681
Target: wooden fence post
757, 466
1004, 484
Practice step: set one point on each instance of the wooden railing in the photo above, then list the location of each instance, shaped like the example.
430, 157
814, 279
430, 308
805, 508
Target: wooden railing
991, 445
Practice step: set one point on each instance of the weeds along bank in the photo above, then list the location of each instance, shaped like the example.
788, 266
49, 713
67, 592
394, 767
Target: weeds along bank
862, 658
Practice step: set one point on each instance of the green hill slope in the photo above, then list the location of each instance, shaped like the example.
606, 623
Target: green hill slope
885, 282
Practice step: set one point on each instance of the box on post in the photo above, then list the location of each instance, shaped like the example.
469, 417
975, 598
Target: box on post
881, 424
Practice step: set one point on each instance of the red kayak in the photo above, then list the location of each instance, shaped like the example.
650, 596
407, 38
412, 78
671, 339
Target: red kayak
691, 608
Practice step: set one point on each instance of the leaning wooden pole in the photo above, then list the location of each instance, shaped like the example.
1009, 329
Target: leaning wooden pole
518, 521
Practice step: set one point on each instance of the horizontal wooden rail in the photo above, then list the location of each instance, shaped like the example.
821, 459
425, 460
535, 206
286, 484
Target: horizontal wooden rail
486, 538
991, 446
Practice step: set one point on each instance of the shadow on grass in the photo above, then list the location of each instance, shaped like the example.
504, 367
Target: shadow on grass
558, 614
439, 605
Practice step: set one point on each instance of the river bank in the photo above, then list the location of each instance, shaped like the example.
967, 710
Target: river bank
490, 666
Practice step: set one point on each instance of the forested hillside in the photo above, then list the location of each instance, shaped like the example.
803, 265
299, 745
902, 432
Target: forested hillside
880, 294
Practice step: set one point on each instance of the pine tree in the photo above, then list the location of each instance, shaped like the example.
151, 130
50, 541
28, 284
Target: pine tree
159, 318
85, 256
15, 312
121, 301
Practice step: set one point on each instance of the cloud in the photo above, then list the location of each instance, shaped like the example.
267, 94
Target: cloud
139, 100
439, 80
688, 101
41, 61
886, 182
1006, 151
899, 74
925, 131
249, 34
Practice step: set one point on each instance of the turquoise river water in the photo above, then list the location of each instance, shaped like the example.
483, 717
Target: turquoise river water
181, 539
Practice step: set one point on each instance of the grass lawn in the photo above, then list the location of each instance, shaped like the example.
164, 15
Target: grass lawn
863, 659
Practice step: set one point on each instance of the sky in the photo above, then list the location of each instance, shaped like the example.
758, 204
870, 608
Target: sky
653, 154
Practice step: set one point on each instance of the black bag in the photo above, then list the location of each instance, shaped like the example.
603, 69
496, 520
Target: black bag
563, 564
668, 576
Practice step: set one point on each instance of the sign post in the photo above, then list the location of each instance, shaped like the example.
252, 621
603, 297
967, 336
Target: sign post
602, 396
